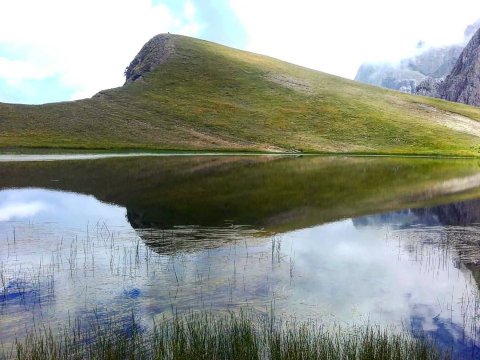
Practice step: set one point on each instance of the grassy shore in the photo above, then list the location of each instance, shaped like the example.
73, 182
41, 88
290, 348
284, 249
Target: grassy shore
215, 98
209, 336
226, 152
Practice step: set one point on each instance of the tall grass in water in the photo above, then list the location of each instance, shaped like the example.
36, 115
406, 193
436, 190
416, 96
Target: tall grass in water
209, 336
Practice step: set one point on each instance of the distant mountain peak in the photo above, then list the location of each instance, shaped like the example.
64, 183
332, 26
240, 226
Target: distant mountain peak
154, 53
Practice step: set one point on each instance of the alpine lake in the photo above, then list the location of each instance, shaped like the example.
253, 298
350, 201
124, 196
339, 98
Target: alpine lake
388, 241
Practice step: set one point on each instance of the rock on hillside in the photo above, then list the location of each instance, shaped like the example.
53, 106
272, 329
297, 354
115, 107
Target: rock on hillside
428, 87
155, 52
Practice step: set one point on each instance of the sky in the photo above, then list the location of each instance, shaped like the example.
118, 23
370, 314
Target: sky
60, 50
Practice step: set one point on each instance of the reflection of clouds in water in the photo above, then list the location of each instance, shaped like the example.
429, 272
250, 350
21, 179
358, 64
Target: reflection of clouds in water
67, 208
445, 333
59, 263
18, 210
360, 272
348, 271
58, 217
351, 270
24, 293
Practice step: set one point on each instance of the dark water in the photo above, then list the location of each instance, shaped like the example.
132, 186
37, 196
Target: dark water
344, 241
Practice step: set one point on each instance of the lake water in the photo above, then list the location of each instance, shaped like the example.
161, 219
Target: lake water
387, 241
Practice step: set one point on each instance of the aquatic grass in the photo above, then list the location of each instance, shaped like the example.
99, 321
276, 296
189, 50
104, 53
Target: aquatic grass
207, 335
127, 258
269, 338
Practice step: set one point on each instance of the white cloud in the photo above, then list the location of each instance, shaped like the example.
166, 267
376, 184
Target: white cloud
190, 10
16, 71
88, 43
337, 36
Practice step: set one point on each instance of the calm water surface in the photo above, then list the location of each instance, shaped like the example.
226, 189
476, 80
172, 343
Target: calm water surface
344, 241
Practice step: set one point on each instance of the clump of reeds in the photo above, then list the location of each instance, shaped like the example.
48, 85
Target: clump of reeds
209, 336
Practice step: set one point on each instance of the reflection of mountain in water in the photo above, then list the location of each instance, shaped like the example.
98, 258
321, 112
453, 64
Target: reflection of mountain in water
458, 214
462, 213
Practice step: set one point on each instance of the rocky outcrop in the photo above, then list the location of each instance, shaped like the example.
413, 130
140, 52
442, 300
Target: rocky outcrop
429, 87
154, 53
463, 83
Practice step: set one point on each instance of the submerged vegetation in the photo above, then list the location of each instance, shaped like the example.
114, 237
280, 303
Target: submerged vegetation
211, 97
232, 336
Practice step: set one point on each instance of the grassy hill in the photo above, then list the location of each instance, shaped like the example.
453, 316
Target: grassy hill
210, 97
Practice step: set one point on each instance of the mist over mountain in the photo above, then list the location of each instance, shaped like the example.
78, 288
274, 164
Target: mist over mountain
432, 64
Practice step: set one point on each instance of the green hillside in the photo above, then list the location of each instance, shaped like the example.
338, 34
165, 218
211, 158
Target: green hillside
211, 97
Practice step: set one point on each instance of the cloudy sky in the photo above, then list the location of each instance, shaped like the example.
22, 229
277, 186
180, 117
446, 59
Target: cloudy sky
56, 50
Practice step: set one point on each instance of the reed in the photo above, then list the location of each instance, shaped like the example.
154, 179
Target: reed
207, 335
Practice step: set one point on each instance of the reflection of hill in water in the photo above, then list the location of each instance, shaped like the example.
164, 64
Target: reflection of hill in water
273, 193
187, 239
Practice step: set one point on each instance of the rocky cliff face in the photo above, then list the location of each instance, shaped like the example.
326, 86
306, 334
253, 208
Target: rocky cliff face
155, 52
432, 65
463, 83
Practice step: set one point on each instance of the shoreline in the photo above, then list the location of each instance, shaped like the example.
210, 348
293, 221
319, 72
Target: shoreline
95, 154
